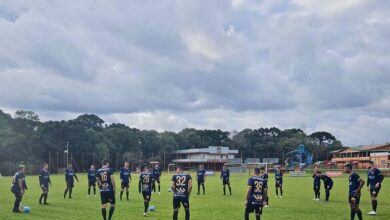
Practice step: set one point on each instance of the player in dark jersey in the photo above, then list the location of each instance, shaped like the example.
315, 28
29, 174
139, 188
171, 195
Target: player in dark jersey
156, 178
19, 187
225, 176
264, 175
44, 181
355, 185
106, 183
255, 195
91, 180
328, 185
201, 178
317, 185
181, 186
125, 175
279, 182
374, 183
70, 175
145, 186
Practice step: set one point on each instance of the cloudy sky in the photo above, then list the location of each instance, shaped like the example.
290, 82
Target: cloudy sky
167, 65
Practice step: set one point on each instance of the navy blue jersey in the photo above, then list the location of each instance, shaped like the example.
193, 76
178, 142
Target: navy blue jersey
327, 180
91, 176
104, 179
156, 173
181, 181
256, 185
353, 183
225, 174
374, 176
200, 174
125, 175
145, 182
15, 182
44, 178
317, 180
279, 176
265, 178
70, 175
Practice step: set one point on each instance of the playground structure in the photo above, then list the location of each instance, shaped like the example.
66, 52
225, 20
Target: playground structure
298, 158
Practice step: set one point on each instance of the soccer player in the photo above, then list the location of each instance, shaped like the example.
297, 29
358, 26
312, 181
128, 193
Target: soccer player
44, 181
328, 185
255, 195
125, 179
317, 185
374, 182
91, 180
264, 175
181, 186
201, 178
70, 175
279, 182
355, 185
156, 177
19, 187
145, 186
106, 183
225, 176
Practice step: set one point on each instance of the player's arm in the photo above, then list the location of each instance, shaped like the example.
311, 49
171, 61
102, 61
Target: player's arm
361, 181
139, 184
368, 181
173, 185
189, 187
248, 193
41, 179
113, 184
121, 175
221, 175
49, 181
75, 176
98, 182
21, 186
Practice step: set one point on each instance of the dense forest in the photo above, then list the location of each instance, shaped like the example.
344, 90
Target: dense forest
25, 139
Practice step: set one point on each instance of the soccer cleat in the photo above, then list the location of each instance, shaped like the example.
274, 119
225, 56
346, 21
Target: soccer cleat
372, 213
159, 193
94, 195
266, 206
281, 197
317, 200
145, 214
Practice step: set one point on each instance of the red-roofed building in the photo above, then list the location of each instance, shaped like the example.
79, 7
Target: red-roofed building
359, 156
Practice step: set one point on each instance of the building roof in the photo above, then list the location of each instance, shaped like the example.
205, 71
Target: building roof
376, 147
209, 150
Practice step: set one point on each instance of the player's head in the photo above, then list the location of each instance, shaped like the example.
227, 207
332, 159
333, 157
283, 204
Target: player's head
370, 164
126, 163
348, 168
156, 166
70, 166
277, 168
21, 168
262, 169
92, 166
179, 169
224, 167
256, 171
318, 173
105, 163
145, 168
45, 166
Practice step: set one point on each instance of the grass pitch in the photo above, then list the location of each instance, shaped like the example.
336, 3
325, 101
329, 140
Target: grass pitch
297, 202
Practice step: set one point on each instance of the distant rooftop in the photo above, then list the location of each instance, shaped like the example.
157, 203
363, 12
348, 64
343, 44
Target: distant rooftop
209, 150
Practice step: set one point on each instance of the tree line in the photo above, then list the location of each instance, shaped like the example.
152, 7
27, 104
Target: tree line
26, 139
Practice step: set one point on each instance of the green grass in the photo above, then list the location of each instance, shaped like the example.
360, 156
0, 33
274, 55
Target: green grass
297, 201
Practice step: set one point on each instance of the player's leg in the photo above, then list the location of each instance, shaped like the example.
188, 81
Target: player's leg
248, 210
146, 201
327, 192
176, 207
66, 190
89, 188
112, 207
266, 197
186, 205
70, 191
127, 192
281, 190
42, 195
94, 189
204, 190
198, 187
46, 194
276, 190
224, 189
359, 212
104, 211
18, 199
121, 194
159, 187
230, 188
374, 195
258, 212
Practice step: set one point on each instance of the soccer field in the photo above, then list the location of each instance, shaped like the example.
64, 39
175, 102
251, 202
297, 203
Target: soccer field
297, 201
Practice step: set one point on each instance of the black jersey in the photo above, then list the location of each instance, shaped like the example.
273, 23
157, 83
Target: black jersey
104, 179
181, 181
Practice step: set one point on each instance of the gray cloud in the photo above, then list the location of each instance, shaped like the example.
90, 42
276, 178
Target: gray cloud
229, 65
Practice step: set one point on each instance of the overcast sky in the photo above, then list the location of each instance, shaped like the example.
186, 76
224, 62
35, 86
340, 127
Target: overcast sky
167, 65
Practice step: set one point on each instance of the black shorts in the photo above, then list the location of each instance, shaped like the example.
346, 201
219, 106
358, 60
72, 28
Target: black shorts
69, 184
278, 184
125, 185
147, 195
354, 199
178, 200
224, 182
92, 184
253, 205
374, 191
158, 179
107, 197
